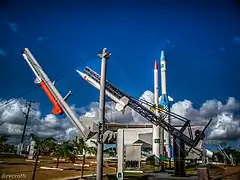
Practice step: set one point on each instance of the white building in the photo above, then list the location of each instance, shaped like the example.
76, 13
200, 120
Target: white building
135, 134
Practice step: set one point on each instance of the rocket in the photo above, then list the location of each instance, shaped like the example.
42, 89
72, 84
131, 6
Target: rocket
57, 110
120, 103
59, 103
165, 100
157, 141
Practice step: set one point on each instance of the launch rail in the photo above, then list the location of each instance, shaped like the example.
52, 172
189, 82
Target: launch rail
152, 117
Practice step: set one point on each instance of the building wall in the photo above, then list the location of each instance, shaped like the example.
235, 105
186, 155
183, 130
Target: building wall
133, 135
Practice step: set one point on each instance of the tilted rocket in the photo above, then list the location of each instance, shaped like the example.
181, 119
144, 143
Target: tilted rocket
120, 103
57, 110
59, 103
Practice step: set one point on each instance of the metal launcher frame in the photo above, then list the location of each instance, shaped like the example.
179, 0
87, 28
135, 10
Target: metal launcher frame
225, 155
180, 139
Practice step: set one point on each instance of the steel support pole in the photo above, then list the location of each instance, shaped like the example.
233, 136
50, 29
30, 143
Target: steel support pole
24, 128
179, 157
104, 56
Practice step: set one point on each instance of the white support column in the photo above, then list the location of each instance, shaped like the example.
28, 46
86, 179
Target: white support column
120, 153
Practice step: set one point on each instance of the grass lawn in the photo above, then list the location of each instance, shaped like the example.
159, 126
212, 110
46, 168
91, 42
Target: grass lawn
19, 166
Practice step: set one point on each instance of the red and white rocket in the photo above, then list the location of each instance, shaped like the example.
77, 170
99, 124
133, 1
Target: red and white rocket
156, 143
57, 110
59, 103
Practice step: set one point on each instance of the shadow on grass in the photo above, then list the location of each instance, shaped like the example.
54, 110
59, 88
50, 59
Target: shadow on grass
19, 163
127, 177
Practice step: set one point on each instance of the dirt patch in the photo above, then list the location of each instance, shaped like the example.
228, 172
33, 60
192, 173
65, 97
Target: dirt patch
21, 169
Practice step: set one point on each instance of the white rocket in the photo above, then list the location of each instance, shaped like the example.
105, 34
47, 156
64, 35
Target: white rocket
120, 103
164, 101
157, 141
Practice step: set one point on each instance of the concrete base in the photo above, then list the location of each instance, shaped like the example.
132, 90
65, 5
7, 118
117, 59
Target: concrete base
166, 176
203, 172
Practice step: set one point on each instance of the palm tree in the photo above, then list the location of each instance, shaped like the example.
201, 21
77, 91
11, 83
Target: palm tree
49, 146
39, 148
3, 140
82, 148
62, 150
69, 150
58, 153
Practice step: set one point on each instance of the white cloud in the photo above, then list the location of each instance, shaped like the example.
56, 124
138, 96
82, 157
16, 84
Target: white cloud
224, 126
185, 109
137, 118
12, 119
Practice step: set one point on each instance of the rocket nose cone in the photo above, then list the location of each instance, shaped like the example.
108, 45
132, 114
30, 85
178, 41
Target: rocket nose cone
155, 65
81, 74
162, 55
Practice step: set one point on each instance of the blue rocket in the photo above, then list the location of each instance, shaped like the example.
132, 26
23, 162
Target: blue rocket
165, 99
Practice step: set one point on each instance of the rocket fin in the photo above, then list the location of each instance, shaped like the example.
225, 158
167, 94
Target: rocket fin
36, 81
57, 110
170, 99
163, 98
120, 106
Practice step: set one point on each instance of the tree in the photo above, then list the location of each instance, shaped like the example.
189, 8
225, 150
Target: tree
39, 145
49, 146
229, 150
82, 148
3, 140
58, 152
69, 150
234, 152
64, 150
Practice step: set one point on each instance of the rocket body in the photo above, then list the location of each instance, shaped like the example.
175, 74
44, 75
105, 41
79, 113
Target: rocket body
60, 106
96, 85
57, 110
156, 149
164, 101
163, 74
120, 103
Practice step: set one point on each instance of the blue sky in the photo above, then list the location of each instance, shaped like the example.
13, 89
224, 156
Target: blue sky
201, 41
201, 44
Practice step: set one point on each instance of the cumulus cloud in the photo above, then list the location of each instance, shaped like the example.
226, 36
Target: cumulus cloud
12, 119
225, 125
137, 118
